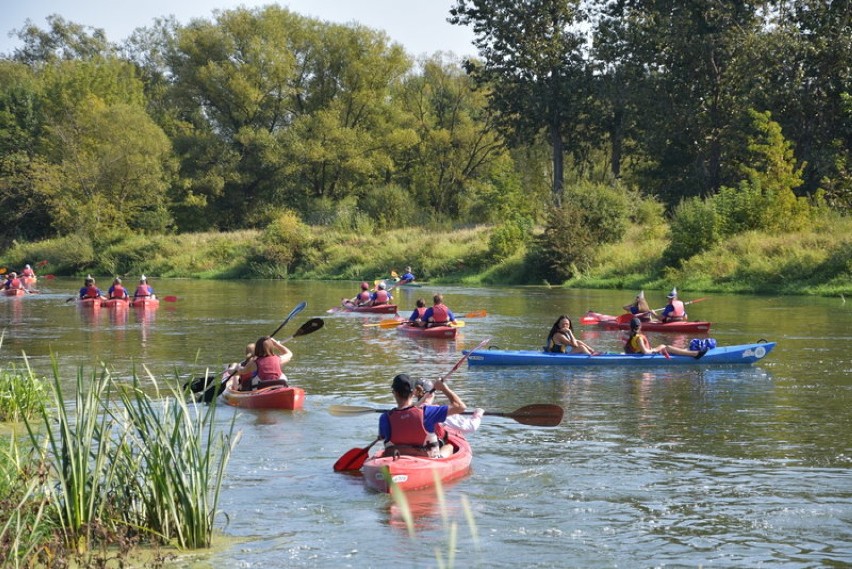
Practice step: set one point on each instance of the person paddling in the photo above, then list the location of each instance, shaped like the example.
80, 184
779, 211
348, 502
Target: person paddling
438, 314
407, 277
144, 290
409, 429
640, 308
361, 299
13, 282
381, 295
264, 367
89, 289
117, 290
675, 310
637, 343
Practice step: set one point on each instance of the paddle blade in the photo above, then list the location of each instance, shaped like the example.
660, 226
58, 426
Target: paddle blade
2, 270
391, 323
353, 460
476, 314
50, 277
457, 324
309, 327
171, 299
624, 318
351, 410
538, 415
589, 320
41, 263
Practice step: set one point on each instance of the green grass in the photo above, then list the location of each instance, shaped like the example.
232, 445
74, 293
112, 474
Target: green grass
815, 262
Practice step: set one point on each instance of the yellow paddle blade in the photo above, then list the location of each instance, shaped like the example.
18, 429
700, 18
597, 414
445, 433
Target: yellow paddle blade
476, 314
457, 324
391, 323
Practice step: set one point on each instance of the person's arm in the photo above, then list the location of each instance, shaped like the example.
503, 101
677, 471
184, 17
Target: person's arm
456, 405
286, 355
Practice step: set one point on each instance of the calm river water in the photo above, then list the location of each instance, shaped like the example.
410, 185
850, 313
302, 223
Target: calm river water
712, 467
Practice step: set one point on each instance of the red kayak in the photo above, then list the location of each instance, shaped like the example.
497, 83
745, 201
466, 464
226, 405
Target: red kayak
433, 332
14, 292
414, 472
378, 309
145, 303
275, 397
115, 303
612, 323
92, 303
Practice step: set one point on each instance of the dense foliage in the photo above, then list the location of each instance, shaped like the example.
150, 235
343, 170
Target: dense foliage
262, 116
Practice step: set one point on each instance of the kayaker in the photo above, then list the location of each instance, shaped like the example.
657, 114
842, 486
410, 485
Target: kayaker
674, 311
409, 429
416, 318
117, 290
637, 343
28, 272
561, 338
407, 277
640, 308
361, 299
13, 282
89, 289
438, 314
381, 295
424, 394
144, 290
237, 369
264, 367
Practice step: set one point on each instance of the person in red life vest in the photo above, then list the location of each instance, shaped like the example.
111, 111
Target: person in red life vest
28, 272
117, 290
416, 318
363, 298
89, 290
637, 343
144, 290
561, 339
264, 367
381, 295
409, 429
438, 314
675, 311
13, 282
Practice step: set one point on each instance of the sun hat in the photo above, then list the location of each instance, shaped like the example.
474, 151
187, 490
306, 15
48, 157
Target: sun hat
383, 285
672, 294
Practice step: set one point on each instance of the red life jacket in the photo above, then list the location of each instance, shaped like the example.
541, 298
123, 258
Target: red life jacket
92, 291
440, 314
27, 273
679, 309
142, 290
118, 291
406, 427
268, 368
363, 296
14, 283
381, 297
421, 310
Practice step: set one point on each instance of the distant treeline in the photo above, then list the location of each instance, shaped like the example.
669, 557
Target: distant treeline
230, 122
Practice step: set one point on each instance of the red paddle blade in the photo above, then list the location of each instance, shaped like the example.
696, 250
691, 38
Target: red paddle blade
588, 320
41, 263
353, 459
171, 299
50, 277
624, 318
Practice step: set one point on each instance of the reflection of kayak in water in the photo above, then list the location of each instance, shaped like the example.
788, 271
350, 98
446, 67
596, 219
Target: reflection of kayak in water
413, 472
740, 354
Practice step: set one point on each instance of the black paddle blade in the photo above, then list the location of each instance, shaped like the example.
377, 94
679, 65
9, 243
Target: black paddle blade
206, 389
310, 326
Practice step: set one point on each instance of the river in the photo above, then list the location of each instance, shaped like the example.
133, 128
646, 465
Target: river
705, 466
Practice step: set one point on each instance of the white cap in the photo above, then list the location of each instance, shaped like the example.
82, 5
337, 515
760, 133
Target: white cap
143, 278
673, 293
383, 285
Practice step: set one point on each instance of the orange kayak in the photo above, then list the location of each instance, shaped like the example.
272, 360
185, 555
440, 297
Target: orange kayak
275, 397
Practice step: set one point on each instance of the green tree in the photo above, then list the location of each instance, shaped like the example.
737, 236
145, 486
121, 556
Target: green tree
459, 148
532, 61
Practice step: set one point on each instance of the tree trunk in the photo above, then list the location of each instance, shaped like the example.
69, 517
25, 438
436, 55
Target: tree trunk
558, 182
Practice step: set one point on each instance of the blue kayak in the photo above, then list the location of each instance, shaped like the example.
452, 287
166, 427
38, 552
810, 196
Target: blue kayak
741, 354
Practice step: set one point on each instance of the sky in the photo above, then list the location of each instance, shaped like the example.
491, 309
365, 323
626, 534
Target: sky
419, 25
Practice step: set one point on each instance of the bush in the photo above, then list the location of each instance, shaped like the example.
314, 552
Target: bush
283, 241
566, 247
604, 210
508, 237
390, 206
694, 227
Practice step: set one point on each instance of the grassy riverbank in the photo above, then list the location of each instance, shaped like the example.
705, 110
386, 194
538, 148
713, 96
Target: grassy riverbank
817, 261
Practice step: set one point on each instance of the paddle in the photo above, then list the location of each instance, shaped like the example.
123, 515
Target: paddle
171, 299
626, 318
353, 459
50, 277
210, 391
2, 270
537, 414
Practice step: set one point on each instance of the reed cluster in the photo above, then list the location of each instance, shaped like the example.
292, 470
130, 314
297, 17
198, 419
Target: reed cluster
109, 468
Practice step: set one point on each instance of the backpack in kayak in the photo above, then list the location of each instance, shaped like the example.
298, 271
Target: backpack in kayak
699, 344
